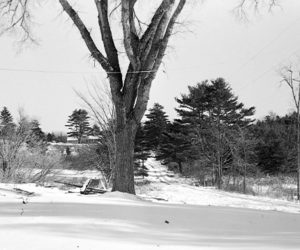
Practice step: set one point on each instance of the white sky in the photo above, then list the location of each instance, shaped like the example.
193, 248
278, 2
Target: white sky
247, 55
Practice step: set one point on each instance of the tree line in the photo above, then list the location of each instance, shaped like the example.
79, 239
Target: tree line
216, 135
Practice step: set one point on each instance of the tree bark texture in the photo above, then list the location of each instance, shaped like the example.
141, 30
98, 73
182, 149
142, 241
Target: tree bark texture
123, 177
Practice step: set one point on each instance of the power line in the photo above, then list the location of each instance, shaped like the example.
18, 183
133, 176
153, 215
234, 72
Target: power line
70, 72
269, 70
90, 72
46, 71
283, 31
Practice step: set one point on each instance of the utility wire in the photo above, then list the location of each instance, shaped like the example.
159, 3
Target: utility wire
91, 72
152, 71
281, 33
46, 71
254, 80
70, 72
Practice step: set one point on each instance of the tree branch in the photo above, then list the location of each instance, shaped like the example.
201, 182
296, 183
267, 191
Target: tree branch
86, 36
256, 5
145, 85
106, 34
151, 51
165, 40
289, 80
17, 15
127, 10
148, 49
149, 33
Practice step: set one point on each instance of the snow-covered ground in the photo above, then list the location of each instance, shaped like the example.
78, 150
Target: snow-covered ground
165, 188
168, 213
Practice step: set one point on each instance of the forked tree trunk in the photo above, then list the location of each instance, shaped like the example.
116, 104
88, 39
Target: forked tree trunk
124, 174
130, 92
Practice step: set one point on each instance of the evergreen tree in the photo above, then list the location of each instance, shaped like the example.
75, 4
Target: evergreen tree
36, 130
78, 124
155, 125
211, 112
6, 122
271, 155
60, 137
5, 117
276, 150
50, 137
95, 130
37, 138
175, 145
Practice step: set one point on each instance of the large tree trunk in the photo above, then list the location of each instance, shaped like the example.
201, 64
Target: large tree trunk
124, 175
130, 93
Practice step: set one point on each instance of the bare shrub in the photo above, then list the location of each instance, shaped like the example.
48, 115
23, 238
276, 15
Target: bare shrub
100, 105
237, 186
283, 187
12, 145
38, 166
24, 157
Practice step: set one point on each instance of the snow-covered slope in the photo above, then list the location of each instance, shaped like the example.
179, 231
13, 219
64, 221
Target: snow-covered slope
163, 187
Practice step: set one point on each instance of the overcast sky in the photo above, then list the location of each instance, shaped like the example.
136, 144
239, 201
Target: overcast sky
215, 44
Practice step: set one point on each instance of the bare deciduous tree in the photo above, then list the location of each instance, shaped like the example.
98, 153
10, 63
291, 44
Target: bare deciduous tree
21, 162
244, 7
293, 82
100, 105
144, 49
12, 140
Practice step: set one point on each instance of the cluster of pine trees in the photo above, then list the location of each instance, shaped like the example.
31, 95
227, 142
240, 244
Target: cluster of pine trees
216, 135
8, 127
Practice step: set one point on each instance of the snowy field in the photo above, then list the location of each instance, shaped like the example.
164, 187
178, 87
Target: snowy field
168, 213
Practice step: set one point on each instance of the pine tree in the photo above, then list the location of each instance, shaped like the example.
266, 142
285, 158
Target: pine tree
37, 138
36, 130
271, 155
7, 125
276, 149
175, 145
211, 111
78, 124
95, 130
50, 137
155, 125
5, 116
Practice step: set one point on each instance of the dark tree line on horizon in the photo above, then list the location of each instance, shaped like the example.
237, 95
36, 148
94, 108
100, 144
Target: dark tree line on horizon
216, 135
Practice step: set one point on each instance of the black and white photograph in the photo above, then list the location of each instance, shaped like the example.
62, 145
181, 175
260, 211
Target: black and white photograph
149, 124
